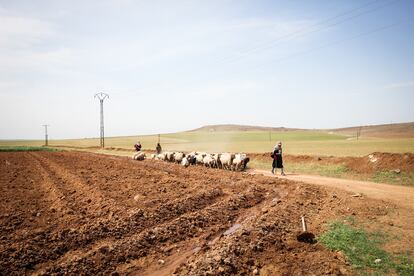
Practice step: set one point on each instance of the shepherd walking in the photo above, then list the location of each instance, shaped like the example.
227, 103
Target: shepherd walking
277, 158
158, 148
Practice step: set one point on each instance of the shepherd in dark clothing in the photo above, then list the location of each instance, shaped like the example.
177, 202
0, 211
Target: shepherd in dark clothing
277, 158
158, 148
138, 146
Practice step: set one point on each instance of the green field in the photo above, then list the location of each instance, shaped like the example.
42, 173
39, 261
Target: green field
295, 142
363, 248
25, 148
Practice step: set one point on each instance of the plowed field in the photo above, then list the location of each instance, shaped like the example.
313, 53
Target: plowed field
81, 213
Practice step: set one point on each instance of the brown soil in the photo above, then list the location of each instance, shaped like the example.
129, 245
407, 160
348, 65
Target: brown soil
82, 213
377, 161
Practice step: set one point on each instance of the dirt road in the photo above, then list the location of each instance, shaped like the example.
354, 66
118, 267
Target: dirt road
82, 213
400, 195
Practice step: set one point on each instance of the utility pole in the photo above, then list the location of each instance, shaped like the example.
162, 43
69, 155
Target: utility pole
102, 96
359, 132
46, 136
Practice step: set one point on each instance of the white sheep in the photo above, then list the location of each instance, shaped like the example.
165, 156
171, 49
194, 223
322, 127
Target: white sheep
169, 156
161, 156
139, 156
185, 162
178, 157
208, 161
191, 157
217, 161
199, 158
226, 160
240, 161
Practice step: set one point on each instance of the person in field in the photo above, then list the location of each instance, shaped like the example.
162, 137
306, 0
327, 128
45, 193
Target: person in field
138, 146
277, 159
158, 148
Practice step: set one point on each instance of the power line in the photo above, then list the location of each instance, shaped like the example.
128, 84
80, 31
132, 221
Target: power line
302, 32
304, 29
329, 44
299, 33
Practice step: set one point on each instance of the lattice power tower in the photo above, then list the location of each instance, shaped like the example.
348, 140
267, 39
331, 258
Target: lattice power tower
102, 96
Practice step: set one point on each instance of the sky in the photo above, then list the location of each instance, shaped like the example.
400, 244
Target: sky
169, 66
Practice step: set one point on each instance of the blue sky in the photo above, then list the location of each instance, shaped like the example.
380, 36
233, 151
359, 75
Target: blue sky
177, 65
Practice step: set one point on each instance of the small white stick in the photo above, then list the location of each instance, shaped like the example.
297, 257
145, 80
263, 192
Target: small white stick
304, 228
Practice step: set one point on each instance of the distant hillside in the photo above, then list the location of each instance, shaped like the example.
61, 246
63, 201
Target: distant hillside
401, 130
230, 127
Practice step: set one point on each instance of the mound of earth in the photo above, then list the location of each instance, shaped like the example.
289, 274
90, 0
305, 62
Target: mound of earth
82, 213
379, 161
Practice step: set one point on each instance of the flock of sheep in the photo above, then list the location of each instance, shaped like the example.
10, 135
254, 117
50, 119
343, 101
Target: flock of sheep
227, 161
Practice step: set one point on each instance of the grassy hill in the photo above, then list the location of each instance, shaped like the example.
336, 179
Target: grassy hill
232, 127
237, 138
402, 130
